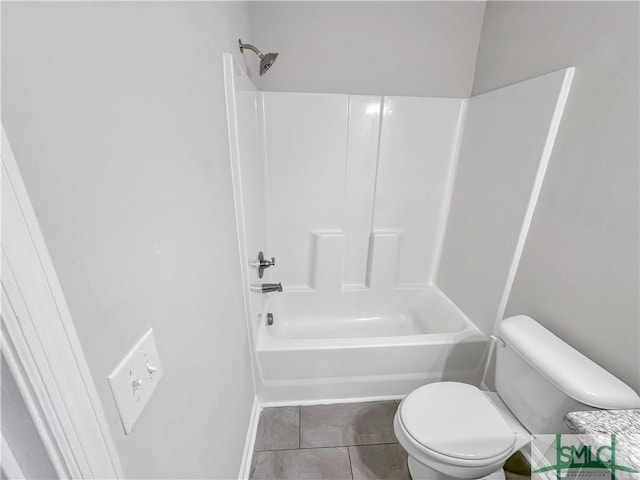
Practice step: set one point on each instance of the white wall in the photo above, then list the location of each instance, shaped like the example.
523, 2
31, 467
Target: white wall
504, 153
117, 117
579, 271
357, 188
384, 48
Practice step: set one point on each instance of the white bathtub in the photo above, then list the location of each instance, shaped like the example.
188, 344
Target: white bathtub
363, 344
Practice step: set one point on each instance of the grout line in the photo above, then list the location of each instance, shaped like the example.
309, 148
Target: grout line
372, 444
299, 426
311, 448
331, 446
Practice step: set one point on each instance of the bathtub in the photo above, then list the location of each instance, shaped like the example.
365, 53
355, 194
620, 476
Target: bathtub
364, 344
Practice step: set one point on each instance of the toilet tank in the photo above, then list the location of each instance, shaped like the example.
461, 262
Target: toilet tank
541, 378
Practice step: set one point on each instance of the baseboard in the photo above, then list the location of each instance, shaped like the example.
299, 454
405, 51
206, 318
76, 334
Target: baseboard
250, 441
328, 401
526, 453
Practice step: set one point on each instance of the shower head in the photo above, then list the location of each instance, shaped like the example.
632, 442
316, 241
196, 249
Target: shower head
265, 60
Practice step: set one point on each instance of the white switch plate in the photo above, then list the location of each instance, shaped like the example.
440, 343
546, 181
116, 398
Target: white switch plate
137, 368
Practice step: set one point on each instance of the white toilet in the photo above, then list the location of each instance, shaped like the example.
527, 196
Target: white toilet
453, 430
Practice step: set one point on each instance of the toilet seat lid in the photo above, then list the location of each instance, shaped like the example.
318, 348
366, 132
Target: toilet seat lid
456, 420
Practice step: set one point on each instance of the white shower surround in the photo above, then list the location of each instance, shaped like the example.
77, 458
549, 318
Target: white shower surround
357, 187
345, 178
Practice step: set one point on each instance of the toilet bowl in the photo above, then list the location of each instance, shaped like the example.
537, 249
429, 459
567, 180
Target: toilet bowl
453, 430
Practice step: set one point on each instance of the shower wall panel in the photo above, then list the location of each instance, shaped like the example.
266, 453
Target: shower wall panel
362, 151
251, 183
306, 149
357, 187
414, 168
247, 167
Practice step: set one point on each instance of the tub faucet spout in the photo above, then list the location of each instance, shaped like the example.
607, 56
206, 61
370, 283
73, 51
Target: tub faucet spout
266, 287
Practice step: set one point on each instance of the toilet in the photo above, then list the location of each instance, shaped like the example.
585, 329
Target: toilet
454, 430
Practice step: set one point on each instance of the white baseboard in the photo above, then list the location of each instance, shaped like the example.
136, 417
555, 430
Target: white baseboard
526, 453
249, 444
328, 401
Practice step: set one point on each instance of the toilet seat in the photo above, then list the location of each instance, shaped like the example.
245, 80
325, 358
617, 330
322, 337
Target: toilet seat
455, 423
418, 450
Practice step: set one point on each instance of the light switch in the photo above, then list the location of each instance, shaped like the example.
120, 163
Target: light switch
134, 380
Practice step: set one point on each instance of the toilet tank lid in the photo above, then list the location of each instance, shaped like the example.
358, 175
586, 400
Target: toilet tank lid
570, 371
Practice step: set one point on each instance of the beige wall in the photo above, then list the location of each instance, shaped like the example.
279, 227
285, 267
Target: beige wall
579, 271
116, 114
393, 48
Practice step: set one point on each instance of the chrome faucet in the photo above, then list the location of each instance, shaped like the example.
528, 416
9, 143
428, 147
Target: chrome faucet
266, 287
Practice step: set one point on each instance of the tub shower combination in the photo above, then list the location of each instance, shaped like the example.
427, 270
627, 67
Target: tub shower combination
396, 224
361, 340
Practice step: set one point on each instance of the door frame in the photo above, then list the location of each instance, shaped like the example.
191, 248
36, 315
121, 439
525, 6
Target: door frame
40, 343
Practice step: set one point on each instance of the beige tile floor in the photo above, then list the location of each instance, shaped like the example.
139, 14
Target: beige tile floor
350, 441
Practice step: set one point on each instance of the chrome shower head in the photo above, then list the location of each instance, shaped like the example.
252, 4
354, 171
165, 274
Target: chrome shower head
265, 60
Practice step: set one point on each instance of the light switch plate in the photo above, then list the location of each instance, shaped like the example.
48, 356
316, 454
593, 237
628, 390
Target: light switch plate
134, 380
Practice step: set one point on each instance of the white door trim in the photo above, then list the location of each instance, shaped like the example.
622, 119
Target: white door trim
35, 410
47, 358
10, 467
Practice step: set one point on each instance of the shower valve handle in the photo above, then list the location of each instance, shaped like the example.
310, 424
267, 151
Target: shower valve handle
268, 263
262, 264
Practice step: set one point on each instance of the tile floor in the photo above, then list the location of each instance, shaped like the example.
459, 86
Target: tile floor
350, 441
